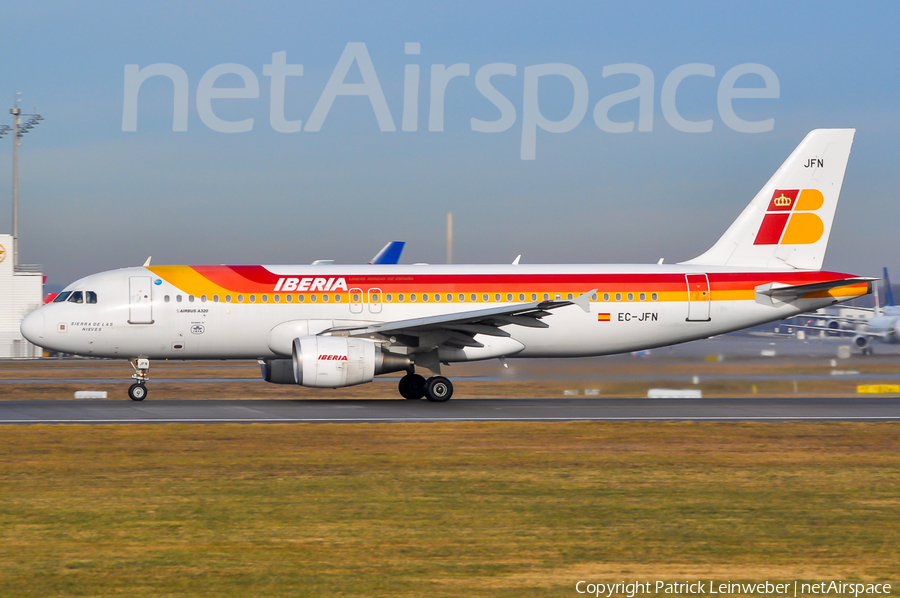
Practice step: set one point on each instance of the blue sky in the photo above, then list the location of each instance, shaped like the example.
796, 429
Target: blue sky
96, 197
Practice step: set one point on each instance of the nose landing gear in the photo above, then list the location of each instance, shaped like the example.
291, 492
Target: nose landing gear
138, 390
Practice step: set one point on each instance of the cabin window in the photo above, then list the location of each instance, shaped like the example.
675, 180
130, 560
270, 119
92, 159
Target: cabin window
412, 297
337, 298
449, 297
558, 296
437, 296
497, 297
252, 298
90, 297
178, 298
424, 296
240, 298
265, 298
313, 298
485, 297
276, 298
355, 297
324, 298
509, 296
631, 296
190, 298
202, 298
400, 298
227, 298
534, 296
618, 296
462, 298
375, 298
474, 297
606, 296
166, 298
546, 296
643, 296
389, 298
593, 297
215, 298
653, 296
521, 296
290, 298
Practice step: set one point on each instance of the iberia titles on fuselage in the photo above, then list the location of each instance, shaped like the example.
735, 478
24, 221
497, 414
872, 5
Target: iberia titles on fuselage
334, 326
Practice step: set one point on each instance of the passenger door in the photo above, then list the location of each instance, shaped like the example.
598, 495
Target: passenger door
140, 306
698, 297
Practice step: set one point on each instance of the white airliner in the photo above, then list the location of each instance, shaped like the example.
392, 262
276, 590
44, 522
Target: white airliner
334, 326
881, 323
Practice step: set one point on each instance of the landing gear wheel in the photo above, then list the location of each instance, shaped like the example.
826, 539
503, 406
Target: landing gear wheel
438, 389
412, 387
137, 392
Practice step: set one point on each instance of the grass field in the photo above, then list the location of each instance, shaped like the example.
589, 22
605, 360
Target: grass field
512, 509
616, 376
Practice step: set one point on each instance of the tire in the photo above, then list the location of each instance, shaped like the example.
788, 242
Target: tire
438, 389
412, 387
137, 392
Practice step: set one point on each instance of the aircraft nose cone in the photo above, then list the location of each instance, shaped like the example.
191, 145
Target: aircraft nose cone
33, 327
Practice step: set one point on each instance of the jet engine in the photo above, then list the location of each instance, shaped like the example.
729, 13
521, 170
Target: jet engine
895, 331
333, 362
861, 341
834, 327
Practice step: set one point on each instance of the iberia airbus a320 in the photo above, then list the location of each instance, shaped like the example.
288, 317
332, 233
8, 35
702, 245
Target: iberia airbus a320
334, 326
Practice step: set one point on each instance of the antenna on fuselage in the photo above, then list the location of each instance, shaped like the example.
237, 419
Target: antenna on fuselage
147, 263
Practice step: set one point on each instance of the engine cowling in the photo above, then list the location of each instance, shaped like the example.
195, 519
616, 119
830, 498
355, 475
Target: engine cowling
332, 362
861, 341
834, 327
895, 330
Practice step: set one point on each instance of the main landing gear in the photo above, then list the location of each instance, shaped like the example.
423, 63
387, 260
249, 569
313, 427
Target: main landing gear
436, 389
138, 390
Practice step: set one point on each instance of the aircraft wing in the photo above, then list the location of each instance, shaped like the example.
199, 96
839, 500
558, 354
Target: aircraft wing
459, 329
787, 293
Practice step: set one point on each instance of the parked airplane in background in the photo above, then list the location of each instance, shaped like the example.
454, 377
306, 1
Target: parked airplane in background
334, 326
880, 323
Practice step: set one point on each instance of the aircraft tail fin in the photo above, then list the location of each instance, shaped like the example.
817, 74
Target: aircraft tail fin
389, 254
788, 223
888, 291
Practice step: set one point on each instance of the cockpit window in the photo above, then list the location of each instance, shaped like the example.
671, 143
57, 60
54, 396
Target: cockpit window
62, 297
76, 297
90, 297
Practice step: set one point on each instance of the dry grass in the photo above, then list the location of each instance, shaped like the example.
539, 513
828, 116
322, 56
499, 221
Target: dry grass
512, 509
612, 377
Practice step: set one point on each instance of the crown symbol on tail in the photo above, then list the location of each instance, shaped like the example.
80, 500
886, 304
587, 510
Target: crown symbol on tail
782, 201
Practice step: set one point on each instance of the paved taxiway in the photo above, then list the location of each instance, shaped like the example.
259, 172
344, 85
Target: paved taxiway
872, 408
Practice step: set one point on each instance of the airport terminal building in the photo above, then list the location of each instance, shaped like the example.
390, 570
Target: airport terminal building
21, 291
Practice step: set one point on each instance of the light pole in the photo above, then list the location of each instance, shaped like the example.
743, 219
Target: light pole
18, 130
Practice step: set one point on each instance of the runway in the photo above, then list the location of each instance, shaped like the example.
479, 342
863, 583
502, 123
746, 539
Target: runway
870, 409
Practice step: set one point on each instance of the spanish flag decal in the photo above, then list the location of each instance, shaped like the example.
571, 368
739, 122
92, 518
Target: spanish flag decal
790, 218
603, 317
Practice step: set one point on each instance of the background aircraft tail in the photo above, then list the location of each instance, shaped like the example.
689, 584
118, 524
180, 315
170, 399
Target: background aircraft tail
788, 223
888, 291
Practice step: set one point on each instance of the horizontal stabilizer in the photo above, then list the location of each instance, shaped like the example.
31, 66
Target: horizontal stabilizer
786, 292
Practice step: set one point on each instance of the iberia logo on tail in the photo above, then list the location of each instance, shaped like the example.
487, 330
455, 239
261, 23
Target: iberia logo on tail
790, 218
